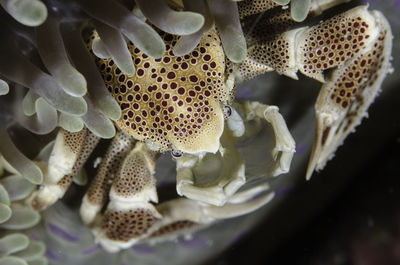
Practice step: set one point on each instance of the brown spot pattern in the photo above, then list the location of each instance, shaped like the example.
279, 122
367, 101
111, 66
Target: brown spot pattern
134, 177
89, 143
260, 30
347, 91
172, 99
274, 53
74, 140
332, 42
125, 225
173, 227
100, 186
250, 7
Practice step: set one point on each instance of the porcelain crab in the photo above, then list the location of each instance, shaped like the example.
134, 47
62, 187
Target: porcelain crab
186, 105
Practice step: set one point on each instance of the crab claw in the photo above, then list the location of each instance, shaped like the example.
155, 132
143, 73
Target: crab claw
351, 88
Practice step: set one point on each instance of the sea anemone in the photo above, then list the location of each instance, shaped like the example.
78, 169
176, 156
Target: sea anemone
16, 247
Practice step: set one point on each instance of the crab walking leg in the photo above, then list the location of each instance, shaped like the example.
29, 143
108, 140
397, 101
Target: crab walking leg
285, 146
184, 216
346, 96
97, 194
212, 191
82, 144
271, 44
314, 50
129, 214
228, 161
251, 7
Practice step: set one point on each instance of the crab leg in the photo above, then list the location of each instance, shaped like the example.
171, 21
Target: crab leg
285, 145
97, 194
347, 94
215, 190
270, 43
314, 50
191, 170
184, 216
358, 44
69, 154
252, 7
129, 214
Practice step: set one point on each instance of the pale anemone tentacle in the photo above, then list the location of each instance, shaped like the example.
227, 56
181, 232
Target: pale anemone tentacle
70, 123
4, 88
5, 210
52, 51
28, 102
99, 95
227, 20
282, 2
116, 47
169, 20
28, 12
17, 160
36, 114
43, 121
17, 247
225, 14
20, 70
187, 43
99, 49
298, 8
117, 16
21, 218
17, 187
97, 122
13, 243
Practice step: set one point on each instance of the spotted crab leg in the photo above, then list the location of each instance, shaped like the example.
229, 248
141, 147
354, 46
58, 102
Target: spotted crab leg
266, 26
252, 7
357, 45
314, 50
184, 216
350, 89
97, 193
129, 213
69, 154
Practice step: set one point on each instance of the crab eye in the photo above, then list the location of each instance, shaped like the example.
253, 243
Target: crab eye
176, 153
228, 111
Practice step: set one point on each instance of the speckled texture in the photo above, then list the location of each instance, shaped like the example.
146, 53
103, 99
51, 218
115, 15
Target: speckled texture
174, 100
